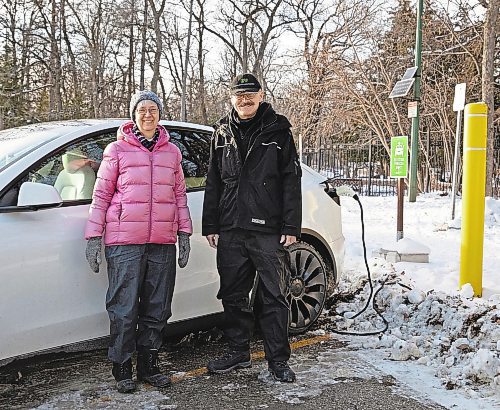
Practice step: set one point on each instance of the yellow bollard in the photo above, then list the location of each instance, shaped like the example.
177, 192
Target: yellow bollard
473, 192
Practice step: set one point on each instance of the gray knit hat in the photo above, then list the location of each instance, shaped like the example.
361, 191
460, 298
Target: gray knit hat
143, 96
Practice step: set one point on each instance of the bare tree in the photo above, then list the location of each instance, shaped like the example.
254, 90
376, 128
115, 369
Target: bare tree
144, 36
491, 30
331, 32
94, 26
173, 51
202, 105
158, 43
131, 52
473, 35
51, 19
248, 31
186, 63
75, 95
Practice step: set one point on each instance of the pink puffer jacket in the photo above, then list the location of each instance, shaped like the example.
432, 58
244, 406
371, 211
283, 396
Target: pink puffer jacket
139, 196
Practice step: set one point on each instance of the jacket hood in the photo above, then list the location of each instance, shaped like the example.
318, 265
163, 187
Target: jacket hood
125, 133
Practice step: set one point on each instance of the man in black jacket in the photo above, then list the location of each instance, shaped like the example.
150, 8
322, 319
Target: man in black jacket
251, 213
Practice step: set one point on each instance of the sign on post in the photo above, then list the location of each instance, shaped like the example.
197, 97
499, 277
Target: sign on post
458, 106
399, 157
412, 109
459, 99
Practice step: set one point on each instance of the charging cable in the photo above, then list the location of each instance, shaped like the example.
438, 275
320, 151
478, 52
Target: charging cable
346, 190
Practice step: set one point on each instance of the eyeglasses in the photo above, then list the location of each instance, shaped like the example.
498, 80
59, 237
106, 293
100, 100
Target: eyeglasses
246, 96
144, 111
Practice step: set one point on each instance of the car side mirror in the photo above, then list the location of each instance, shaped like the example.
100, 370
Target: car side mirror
35, 195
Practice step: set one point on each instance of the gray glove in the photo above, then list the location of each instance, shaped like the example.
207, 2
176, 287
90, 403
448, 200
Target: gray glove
184, 248
93, 253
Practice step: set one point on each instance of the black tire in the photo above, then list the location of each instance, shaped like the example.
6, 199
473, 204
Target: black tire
308, 287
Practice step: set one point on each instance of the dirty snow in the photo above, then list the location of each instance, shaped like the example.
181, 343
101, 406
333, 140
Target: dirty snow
432, 323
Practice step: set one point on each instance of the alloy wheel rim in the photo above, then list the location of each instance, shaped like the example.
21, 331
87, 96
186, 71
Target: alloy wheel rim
307, 291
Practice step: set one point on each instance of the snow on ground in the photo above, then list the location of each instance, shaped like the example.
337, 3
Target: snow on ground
432, 323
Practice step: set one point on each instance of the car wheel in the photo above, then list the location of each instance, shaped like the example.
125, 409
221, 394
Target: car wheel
308, 286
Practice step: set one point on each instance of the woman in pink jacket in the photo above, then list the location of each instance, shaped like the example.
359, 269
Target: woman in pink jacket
140, 208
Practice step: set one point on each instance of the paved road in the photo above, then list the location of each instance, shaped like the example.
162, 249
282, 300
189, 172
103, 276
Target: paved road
330, 376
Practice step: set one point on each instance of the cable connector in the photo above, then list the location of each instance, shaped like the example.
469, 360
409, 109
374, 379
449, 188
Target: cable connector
345, 190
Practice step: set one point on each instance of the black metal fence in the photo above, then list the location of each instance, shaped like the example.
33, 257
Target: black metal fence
367, 167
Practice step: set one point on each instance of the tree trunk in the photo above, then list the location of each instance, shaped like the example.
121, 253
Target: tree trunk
186, 63
201, 85
55, 103
157, 13
76, 94
143, 45
487, 84
131, 55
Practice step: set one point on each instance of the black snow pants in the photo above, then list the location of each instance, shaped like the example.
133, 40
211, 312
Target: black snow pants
240, 254
139, 297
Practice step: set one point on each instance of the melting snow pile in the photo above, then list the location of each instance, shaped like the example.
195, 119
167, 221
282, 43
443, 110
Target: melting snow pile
431, 322
458, 337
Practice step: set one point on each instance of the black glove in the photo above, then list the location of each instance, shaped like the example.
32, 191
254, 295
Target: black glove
184, 248
93, 253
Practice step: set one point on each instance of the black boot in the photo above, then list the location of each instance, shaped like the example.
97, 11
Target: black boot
281, 372
122, 373
148, 370
230, 360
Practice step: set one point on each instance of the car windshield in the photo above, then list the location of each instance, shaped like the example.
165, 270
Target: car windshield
18, 142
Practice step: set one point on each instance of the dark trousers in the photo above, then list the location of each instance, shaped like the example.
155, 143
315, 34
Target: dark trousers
139, 297
240, 254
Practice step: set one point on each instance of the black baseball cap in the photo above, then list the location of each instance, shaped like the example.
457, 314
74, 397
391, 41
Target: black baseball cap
245, 83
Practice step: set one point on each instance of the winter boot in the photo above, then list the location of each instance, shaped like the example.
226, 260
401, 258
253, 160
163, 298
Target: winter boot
281, 372
148, 370
122, 373
231, 359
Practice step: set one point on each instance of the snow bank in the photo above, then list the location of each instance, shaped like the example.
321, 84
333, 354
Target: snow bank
457, 337
431, 321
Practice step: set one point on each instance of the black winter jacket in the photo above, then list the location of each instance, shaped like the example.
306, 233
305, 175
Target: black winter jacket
260, 192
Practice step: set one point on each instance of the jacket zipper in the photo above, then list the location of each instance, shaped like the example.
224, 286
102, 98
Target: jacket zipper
150, 195
242, 164
260, 131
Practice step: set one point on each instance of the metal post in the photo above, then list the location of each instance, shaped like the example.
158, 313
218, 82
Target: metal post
455, 163
412, 190
300, 148
320, 142
473, 196
428, 172
370, 168
401, 194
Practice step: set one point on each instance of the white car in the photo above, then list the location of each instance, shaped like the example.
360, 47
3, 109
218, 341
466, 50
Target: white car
50, 299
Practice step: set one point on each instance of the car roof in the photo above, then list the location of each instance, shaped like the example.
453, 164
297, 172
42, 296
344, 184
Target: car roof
189, 125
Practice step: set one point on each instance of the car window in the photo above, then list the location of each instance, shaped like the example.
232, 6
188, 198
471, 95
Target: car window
195, 149
72, 170
17, 142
